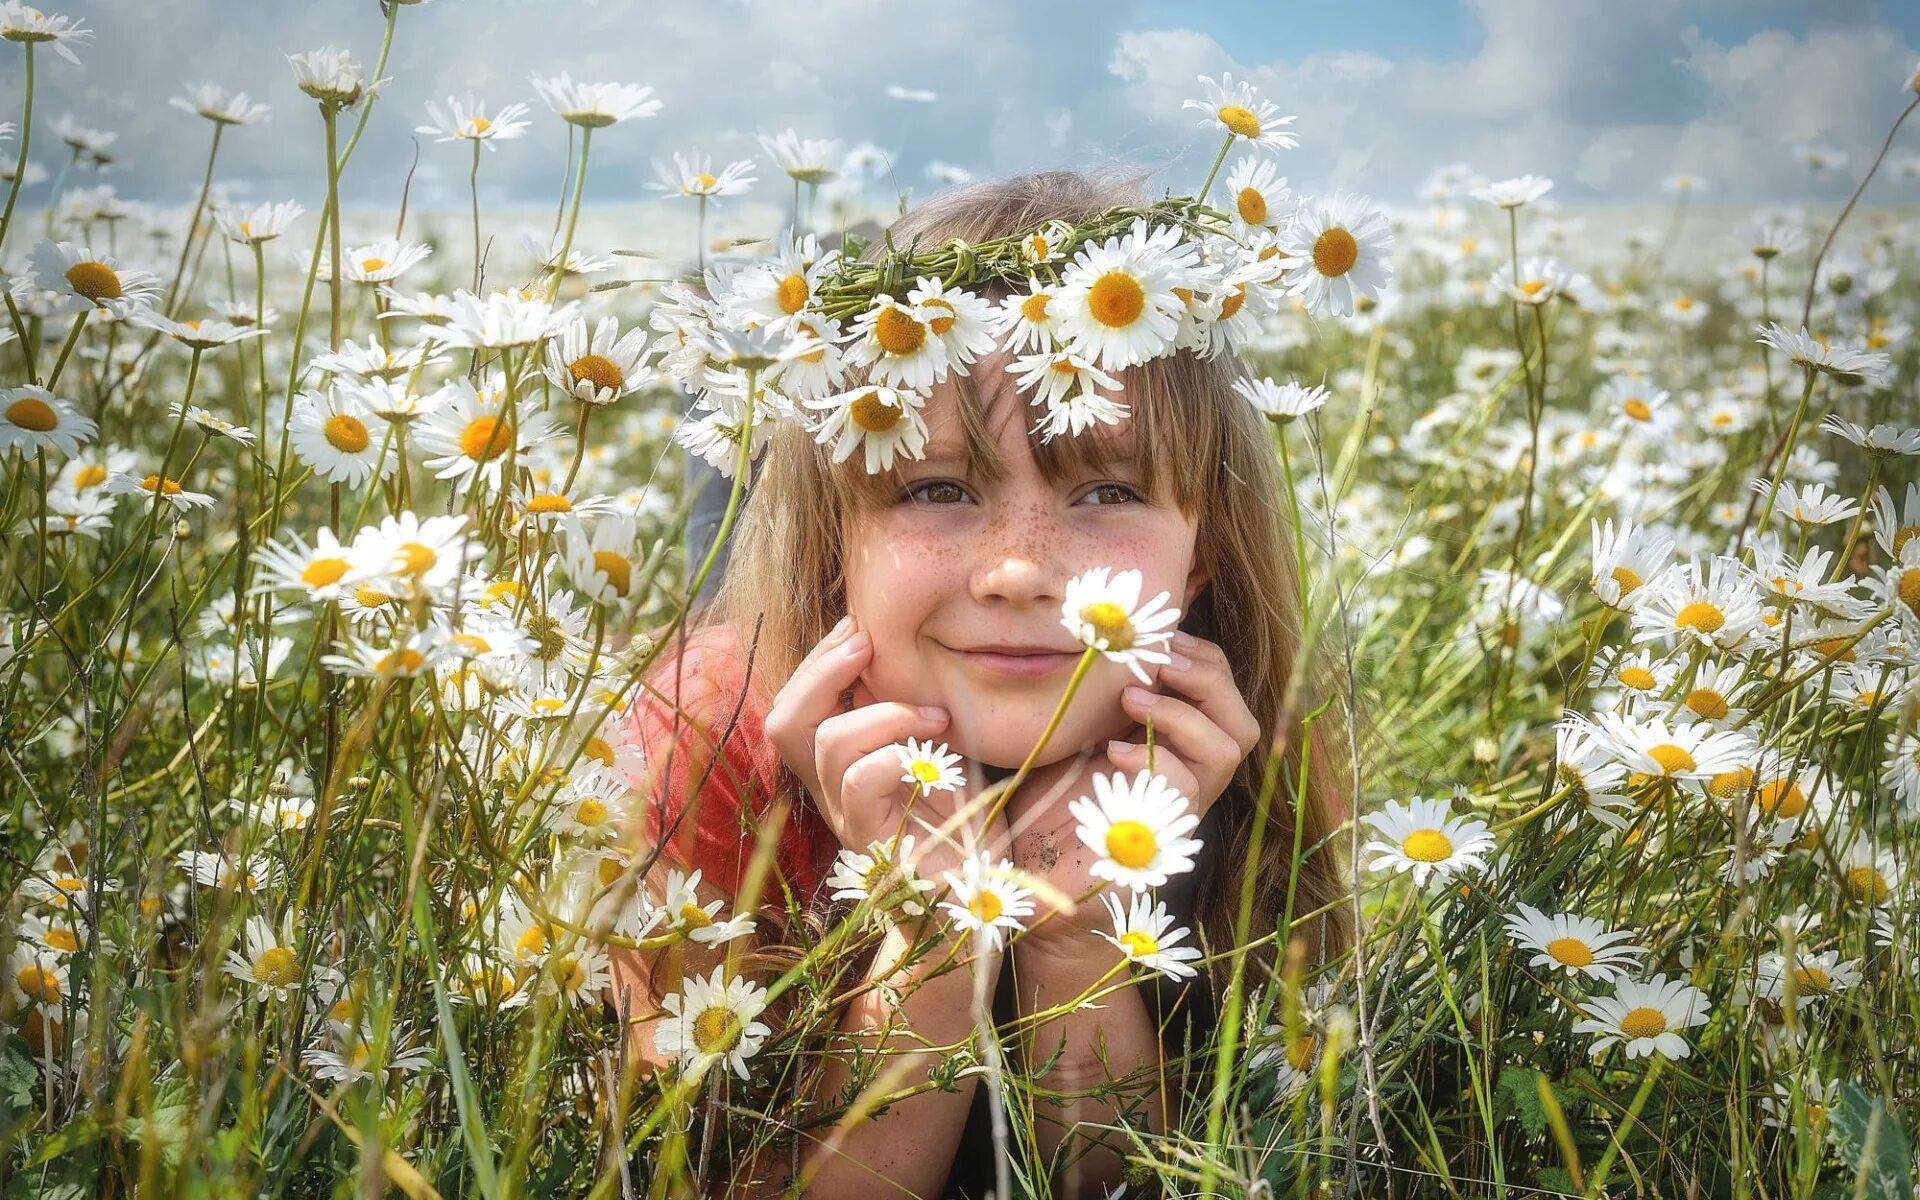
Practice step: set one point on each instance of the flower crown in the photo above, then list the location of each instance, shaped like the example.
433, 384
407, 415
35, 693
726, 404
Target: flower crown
1070, 303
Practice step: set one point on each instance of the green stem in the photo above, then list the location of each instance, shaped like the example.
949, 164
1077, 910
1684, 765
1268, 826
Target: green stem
26, 142
1215, 169
193, 226
573, 213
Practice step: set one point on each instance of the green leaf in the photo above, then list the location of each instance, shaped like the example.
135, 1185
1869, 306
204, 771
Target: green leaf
1874, 1144
1516, 1083
17, 1077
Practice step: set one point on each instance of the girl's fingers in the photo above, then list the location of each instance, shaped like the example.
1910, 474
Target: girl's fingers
846, 738
1207, 680
1132, 756
810, 697
1209, 748
873, 799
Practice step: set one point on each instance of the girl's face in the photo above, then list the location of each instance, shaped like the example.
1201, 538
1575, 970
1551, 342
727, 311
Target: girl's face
959, 581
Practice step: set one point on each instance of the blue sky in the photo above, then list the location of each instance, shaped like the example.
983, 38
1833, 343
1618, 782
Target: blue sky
1609, 97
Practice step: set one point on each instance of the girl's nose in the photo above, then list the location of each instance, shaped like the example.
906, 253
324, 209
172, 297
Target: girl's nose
1016, 564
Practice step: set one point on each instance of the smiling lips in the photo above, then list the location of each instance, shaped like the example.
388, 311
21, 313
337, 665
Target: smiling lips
1016, 661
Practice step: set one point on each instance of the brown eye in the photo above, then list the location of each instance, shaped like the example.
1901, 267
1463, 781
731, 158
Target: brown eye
937, 491
1114, 493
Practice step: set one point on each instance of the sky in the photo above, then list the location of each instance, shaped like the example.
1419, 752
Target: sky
1607, 97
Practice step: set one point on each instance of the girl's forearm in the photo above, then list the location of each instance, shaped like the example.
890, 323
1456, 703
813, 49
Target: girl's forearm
1121, 1030
909, 1148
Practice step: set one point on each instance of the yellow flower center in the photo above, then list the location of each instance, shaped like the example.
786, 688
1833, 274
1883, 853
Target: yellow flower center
694, 917
1902, 536
276, 968
1728, 784
1239, 120
1110, 623
598, 749
1232, 303
598, 370
1335, 252
1116, 300
986, 907
1683, 304
165, 487
1708, 703
400, 662
1570, 952
347, 434
590, 813
64, 940
91, 475
703, 181
322, 572
367, 596
715, 1031
531, 944
1701, 616
1782, 799
1813, 980
1131, 844
1139, 943
1672, 758
94, 280
1643, 1023
925, 771
477, 126
1638, 678
1907, 587
791, 293
414, 558
941, 325
873, 413
617, 569
1533, 287
370, 265
1626, 579
1637, 408
549, 502
1867, 885
1251, 205
1302, 1051
1427, 846
32, 414
485, 438
38, 984
898, 333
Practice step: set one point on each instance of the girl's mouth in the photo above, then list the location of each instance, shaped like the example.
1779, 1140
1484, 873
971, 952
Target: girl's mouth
1016, 662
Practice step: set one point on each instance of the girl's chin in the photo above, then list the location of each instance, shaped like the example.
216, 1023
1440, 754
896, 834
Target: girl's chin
1008, 747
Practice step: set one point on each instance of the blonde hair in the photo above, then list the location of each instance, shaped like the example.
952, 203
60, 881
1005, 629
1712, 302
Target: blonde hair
1196, 444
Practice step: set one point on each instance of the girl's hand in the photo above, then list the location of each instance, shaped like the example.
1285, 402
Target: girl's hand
847, 760
1200, 739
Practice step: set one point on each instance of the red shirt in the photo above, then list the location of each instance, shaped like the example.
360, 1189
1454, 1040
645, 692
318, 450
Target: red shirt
716, 832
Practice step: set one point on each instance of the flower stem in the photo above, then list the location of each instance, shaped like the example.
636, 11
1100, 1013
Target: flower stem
193, 226
26, 141
1215, 169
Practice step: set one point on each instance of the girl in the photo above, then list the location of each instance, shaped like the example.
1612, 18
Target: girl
861, 610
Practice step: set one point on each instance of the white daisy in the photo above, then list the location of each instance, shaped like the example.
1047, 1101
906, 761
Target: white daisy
595, 105
1645, 1016
897, 345
376, 262
600, 367
930, 768
465, 119
1235, 109
321, 571
332, 432
266, 958
37, 978
885, 420
502, 320
1281, 403
1138, 826
1513, 193
988, 897
1119, 303
83, 279
1659, 750
692, 175
960, 319
883, 877
33, 419
169, 490
1713, 604
1424, 838
1336, 251
471, 435
1576, 944
257, 225
1143, 931
1624, 560
1813, 976
1027, 321
1103, 611
1259, 195
604, 564
712, 1020
1052, 379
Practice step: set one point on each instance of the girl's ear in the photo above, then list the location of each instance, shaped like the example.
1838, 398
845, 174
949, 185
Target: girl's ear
1197, 579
